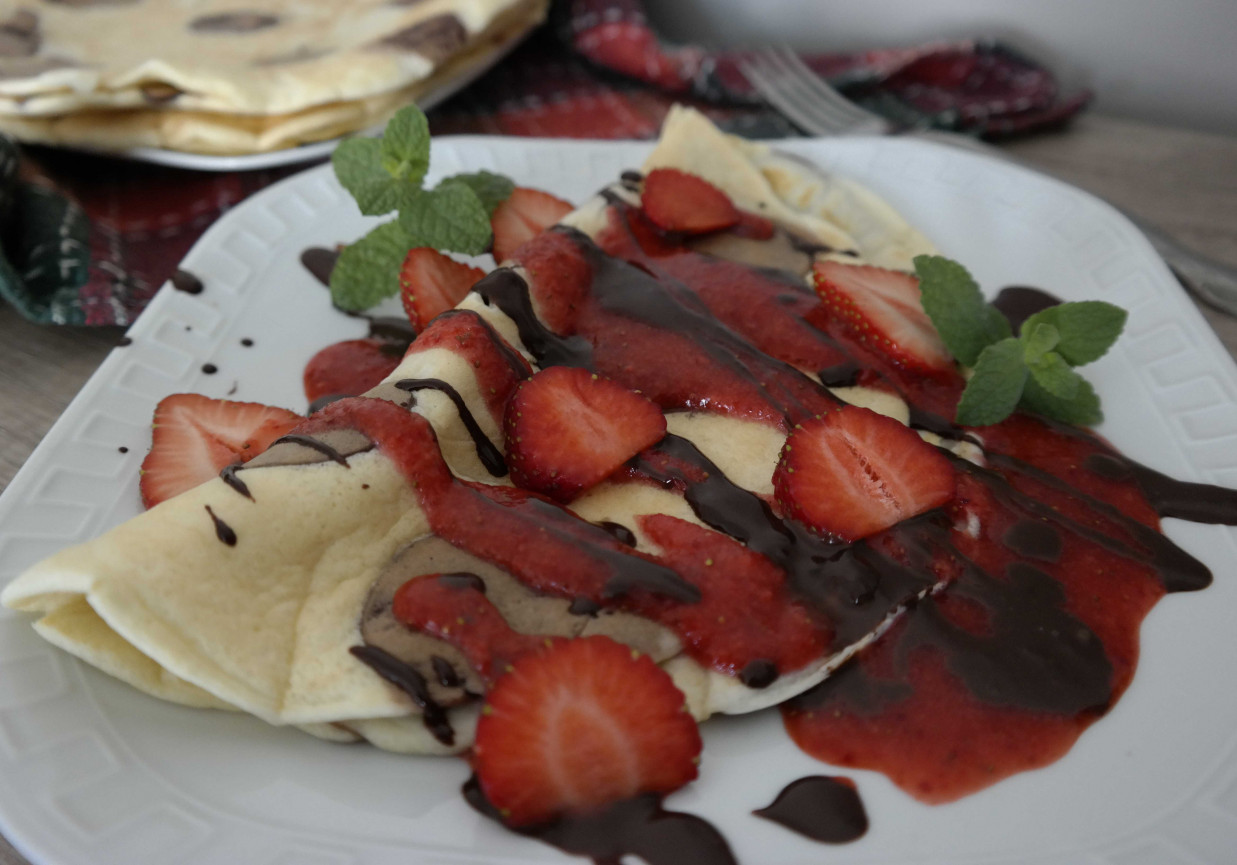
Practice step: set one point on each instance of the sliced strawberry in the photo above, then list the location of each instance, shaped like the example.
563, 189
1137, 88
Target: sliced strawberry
579, 726
883, 309
678, 201
567, 429
854, 472
430, 283
498, 367
350, 368
196, 437
525, 214
560, 278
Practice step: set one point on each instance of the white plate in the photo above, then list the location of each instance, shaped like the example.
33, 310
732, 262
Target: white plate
304, 152
93, 772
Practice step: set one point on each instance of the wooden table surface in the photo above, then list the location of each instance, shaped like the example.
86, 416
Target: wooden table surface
1183, 181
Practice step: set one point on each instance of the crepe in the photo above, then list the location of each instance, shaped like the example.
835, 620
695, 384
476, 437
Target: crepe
227, 82
266, 625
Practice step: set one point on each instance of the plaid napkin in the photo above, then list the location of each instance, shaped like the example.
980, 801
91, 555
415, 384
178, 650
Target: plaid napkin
88, 239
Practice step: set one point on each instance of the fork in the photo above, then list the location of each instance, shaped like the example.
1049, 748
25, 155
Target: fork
808, 101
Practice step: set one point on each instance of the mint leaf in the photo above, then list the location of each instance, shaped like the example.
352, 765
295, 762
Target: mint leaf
1088, 328
1038, 340
952, 299
996, 385
405, 152
491, 189
450, 216
368, 270
358, 166
1082, 410
1054, 375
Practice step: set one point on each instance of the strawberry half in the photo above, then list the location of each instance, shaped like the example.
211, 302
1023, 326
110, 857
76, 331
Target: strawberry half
883, 309
853, 472
196, 437
677, 201
568, 429
430, 283
522, 216
579, 726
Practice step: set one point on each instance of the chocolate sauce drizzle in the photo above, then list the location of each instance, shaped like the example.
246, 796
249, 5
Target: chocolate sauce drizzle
820, 807
489, 455
853, 584
638, 827
222, 530
228, 476
412, 683
314, 444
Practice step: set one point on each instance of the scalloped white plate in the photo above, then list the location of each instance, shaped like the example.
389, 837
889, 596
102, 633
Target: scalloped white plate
92, 772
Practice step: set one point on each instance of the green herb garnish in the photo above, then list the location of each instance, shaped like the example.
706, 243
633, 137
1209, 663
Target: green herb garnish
1034, 370
385, 175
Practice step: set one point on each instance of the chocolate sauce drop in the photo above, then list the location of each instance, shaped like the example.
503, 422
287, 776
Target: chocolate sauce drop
760, 673
620, 532
247, 342
445, 673
209, 368
124, 341
820, 807
320, 262
183, 280
123, 449
638, 827
222, 530
584, 607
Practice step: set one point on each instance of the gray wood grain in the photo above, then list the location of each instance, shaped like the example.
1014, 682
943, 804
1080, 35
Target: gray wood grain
1185, 182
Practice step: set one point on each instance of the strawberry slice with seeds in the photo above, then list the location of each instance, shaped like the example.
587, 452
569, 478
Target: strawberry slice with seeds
579, 726
677, 201
522, 216
853, 472
882, 308
196, 437
568, 429
430, 283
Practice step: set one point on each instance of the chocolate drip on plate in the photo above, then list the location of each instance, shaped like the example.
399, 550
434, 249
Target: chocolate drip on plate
320, 262
638, 827
183, 280
820, 807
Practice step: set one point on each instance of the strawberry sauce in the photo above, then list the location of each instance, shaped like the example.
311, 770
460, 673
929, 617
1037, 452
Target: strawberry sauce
1032, 631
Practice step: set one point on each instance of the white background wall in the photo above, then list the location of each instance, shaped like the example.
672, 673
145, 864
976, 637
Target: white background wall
1172, 61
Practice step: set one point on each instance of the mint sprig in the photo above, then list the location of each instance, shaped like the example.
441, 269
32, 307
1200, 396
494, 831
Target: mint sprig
386, 175
1033, 370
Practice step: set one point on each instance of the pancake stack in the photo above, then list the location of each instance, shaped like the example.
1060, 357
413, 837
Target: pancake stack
212, 77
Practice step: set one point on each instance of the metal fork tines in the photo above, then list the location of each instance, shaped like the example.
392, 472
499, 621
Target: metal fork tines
806, 99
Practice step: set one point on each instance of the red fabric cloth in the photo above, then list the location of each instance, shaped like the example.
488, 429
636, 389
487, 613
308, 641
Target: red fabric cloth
597, 70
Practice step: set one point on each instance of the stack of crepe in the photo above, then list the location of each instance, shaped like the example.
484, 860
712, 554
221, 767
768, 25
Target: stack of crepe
213, 77
266, 626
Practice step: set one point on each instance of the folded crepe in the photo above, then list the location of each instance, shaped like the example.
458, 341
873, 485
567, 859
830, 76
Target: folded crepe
206, 77
328, 525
